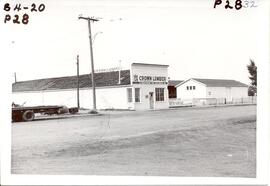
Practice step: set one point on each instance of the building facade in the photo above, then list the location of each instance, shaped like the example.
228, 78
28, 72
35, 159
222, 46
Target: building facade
149, 86
142, 87
211, 88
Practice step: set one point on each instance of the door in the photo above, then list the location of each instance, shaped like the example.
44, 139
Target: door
151, 100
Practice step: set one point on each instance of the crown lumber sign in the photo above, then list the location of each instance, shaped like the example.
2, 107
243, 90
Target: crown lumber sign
140, 79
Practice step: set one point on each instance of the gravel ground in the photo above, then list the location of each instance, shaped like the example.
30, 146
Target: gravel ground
217, 141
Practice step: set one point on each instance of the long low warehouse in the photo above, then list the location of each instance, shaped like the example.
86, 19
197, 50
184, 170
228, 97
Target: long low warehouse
142, 87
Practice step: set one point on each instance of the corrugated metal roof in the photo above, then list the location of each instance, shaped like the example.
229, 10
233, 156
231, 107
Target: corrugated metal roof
174, 82
70, 82
221, 83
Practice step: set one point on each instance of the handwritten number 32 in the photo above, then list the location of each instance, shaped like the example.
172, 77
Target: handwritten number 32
249, 4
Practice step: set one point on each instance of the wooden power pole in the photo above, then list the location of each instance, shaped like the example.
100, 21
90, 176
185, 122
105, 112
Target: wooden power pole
15, 77
78, 83
92, 59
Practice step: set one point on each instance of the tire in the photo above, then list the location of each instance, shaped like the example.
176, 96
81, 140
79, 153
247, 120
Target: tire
28, 115
73, 110
63, 110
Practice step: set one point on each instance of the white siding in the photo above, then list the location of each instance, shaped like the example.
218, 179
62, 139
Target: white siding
239, 92
150, 70
218, 92
227, 92
199, 92
145, 102
106, 98
146, 88
28, 98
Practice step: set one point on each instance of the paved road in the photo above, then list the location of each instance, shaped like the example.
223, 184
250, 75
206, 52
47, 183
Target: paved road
182, 142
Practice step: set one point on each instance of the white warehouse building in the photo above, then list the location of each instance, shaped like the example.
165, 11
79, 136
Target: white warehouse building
142, 87
211, 88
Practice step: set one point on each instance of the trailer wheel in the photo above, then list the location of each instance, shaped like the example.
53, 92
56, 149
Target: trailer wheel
73, 110
63, 110
28, 115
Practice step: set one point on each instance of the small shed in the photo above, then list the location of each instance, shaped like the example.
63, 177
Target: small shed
211, 88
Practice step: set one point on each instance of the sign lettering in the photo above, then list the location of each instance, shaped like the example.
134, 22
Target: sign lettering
149, 79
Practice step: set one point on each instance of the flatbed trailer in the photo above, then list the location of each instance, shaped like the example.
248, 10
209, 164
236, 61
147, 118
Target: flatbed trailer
28, 113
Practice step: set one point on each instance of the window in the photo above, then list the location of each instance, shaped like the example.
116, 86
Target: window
159, 94
129, 95
137, 95
191, 87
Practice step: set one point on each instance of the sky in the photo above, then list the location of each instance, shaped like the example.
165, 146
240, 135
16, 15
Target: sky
193, 38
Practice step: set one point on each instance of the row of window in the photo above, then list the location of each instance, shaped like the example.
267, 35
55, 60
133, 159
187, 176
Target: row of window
191, 87
159, 94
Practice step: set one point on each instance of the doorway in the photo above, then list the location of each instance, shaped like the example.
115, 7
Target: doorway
151, 100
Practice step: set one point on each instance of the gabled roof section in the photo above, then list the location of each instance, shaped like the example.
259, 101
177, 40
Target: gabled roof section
217, 82
187, 81
174, 82
105, 79
221, 82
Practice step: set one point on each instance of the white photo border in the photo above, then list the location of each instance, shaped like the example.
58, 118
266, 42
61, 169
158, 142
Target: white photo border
262, 141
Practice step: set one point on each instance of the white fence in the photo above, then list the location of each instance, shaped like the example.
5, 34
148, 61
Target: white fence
211, 101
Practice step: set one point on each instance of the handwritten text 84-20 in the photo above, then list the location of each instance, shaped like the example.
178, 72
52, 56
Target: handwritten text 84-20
24, 19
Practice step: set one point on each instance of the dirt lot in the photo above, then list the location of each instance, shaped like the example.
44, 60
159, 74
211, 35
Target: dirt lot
181, 142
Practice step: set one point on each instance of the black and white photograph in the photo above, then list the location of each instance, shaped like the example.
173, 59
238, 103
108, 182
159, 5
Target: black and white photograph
140, 89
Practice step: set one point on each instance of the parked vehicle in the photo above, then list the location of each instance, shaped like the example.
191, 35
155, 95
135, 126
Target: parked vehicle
21, 113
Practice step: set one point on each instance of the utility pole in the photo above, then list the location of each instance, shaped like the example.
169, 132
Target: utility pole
92, 59
119, 74
78, 83
15, 76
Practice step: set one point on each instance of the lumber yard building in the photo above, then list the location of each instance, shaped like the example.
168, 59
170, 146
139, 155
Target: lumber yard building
142, 87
